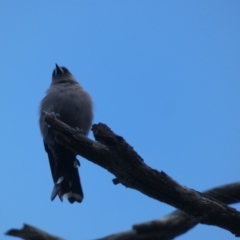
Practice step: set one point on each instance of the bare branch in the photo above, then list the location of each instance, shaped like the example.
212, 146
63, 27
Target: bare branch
119, 158
29, 232
177, 222
166, 228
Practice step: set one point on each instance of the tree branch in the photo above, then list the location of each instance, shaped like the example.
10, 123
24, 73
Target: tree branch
177, 222
166, 228
114, 154
29, 232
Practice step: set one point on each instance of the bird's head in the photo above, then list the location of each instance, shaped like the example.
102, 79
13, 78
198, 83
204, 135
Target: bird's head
61, 74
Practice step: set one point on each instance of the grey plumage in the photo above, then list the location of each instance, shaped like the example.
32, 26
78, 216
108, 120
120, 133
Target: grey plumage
72, 105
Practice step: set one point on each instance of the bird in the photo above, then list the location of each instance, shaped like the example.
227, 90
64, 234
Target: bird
70, 103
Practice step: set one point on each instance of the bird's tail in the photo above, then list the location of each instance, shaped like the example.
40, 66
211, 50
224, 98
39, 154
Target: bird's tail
68, 185
64, 167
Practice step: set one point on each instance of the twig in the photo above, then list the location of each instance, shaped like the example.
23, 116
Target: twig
29, 232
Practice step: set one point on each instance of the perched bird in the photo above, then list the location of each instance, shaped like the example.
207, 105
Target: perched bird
71, 104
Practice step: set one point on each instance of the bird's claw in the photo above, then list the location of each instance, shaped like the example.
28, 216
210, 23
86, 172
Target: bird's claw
55, 115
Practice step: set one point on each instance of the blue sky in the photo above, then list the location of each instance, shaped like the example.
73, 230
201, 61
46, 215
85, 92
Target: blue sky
163, 74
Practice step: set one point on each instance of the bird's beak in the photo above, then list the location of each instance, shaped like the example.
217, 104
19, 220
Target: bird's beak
58, 70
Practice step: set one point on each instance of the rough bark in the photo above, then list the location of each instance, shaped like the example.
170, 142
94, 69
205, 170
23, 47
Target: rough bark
114, 154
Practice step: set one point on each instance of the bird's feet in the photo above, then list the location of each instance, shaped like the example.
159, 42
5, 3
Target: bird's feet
55, 115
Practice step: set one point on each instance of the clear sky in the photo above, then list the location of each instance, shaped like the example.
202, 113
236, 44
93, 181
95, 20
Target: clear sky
164, 75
